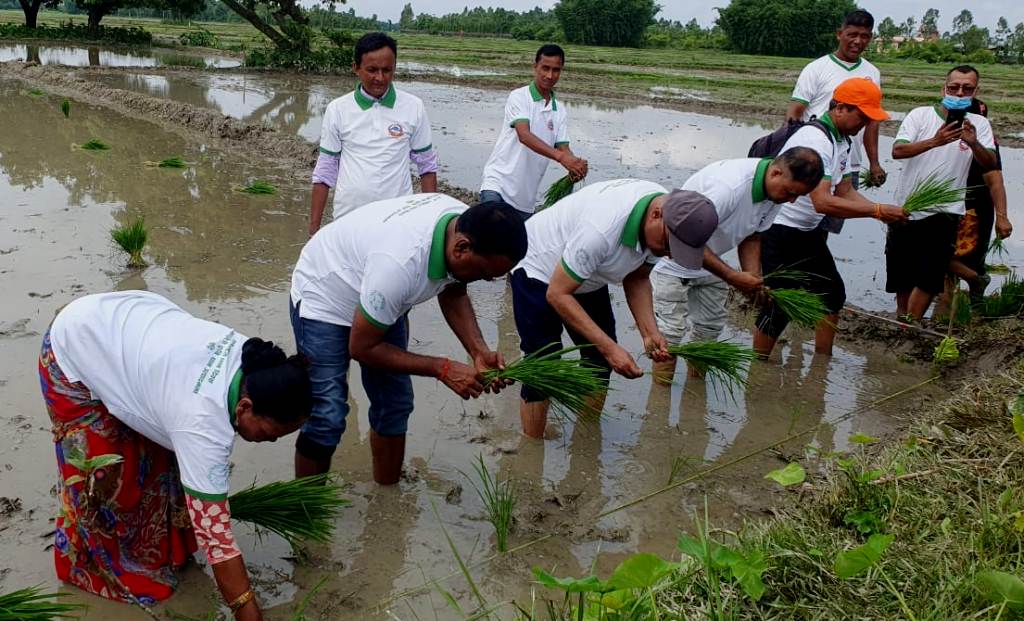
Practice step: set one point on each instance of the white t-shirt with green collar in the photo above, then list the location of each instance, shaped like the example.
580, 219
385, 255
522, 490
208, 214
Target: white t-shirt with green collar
736, 188
382, 259
952, 160
594, 233
373, 139
514, 170
162, 372
820, 78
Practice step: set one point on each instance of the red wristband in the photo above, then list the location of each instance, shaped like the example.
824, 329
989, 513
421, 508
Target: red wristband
445, 368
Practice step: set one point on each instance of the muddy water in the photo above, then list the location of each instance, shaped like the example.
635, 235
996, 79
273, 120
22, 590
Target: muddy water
94, 56
619, 140
227, 256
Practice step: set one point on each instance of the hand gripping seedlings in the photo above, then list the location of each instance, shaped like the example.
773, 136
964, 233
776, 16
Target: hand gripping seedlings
300, 509
558, 190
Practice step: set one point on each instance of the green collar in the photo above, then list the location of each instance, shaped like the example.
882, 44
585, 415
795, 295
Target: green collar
631, 232
365, 102
939, 114
234, 394
757, 191
843, 64
437, 269
826, 120
538, 97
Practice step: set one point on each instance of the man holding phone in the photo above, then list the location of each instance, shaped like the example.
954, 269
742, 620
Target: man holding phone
942, 141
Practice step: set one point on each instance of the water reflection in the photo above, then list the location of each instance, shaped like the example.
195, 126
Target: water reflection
94, 56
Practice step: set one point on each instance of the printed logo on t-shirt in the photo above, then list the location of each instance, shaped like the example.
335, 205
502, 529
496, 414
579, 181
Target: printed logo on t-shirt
376, 301
583, 260
218, 476
219, 352
551, 125
395, 130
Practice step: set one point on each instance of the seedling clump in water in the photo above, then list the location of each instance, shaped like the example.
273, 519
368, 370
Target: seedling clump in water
95, 144
499, 500
258, 187
132, 239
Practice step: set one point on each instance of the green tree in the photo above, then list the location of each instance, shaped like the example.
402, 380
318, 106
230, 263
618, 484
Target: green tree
31, 9
930, 24
962, 23
407, 17
1003, 32
97, 9
619, 23
909, 27
282, 21
888, 30
783, 27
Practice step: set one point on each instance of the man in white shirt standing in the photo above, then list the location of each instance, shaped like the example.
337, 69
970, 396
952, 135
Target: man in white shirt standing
819, 78
370, 136
606, 233
535, 130
747, 194
942, 141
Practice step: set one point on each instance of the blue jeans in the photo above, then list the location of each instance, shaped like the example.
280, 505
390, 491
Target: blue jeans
493, 196
326, 346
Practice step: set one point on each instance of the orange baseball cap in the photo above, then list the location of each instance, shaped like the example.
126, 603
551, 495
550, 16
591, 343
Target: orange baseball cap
865, 95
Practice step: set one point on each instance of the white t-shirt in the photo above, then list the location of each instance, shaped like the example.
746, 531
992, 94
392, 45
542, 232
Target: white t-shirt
159, 370
513, 170
819, 80
373, 139
952, 160
835, 156
383, 259
736, 188
594, 233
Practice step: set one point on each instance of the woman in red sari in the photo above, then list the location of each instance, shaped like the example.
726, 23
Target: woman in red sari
145, 401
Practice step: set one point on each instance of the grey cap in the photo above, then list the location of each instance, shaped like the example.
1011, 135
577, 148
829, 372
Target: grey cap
691, 219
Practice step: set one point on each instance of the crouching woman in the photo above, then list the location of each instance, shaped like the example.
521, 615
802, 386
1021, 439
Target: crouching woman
145, 401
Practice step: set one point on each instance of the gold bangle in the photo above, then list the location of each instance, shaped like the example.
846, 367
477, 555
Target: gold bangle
241, 600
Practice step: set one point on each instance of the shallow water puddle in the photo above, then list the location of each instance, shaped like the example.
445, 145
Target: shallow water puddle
227, 256
96, 56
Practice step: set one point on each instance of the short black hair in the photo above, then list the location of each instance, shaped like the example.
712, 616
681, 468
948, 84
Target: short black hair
549, 49
803, 164
278, 385
963, 69
494, 229
371, 42
859, 18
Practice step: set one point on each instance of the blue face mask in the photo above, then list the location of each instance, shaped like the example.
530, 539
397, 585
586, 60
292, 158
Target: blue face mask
950, 102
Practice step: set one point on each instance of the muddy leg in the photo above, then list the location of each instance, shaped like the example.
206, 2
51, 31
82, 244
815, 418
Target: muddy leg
918, 303
534, 417
388, 455
763, 344
825, 334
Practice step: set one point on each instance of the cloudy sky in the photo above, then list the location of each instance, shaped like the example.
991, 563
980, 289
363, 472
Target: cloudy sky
986, 12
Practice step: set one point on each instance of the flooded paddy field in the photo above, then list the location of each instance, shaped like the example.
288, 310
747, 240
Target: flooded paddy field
228, 256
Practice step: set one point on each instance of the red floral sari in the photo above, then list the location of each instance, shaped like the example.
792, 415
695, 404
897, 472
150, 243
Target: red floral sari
122, 526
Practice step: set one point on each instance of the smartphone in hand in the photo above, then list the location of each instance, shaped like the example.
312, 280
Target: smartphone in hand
956, 116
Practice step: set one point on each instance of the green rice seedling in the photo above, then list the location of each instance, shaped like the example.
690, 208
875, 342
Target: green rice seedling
803, 307
998, 268
720, 360
132, 239
257, 187
300, 612
32, 604
499, 501
37, 93
866, 181
1008, 301
961, 311
997, 248
171, 162
65, 107
946, 352
933, 192
300, 509
95, 144
567, 382
558, 190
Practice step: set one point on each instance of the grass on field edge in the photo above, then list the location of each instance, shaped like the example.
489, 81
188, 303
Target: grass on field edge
949, 490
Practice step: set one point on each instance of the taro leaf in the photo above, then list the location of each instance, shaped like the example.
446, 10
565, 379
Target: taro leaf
691, 547
1018, 424
590, 584
747, 572
617, 600
102, 461
860, 438
640, 571
790, 475
866, 522
723, 556
999, 587
853, 562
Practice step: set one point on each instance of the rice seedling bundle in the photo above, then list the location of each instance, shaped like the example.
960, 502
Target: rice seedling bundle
171, 162
803, 307
132, 239
65, 107
499, 501
997, 248
300, 509
567, 382
933, 192
558, 190
946, 352
95, 144
1006, 302
866, 181
32, 604
720, 360
258, 187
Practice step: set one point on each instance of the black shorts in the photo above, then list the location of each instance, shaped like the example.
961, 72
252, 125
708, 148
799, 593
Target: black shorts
540, 326
785, 247
918, 252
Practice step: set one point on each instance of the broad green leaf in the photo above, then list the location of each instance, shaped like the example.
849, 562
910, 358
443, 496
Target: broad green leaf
691, 547
871, 475
946, 525
723, 557
640, 571
747, 572
617, 600
790, 475
860, 438
1005, 498
71, 480
853, 562
999, 587
102, 461
1018, 424
590, 584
